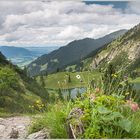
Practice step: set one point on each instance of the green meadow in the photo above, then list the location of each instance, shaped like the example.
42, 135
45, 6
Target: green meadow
66, 80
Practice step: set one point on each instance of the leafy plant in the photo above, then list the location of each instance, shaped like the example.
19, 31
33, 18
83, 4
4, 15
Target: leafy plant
54, 120
117, 82
8, 79
108, 116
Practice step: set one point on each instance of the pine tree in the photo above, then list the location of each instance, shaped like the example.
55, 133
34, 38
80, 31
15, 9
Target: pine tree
69, 78
60, 95
42, 81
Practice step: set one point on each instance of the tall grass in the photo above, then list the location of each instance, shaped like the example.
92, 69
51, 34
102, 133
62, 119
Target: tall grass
54, 120
105, 109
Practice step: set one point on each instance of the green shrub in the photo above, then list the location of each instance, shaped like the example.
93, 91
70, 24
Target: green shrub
54, 120
8, 79
107, 116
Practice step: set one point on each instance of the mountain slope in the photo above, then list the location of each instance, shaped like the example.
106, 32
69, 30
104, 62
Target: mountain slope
10, 51
69, 54
3, 59
17, 55
123, 52
17, 91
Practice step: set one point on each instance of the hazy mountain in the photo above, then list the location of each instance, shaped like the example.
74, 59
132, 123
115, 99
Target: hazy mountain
123, 52
17, 55
23, 56
69, 54
10, 51
38, 51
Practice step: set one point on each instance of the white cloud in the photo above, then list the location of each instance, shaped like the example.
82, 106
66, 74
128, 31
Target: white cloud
57, 23
133, 7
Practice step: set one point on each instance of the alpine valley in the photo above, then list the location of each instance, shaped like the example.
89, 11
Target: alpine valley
87, 89
70, 54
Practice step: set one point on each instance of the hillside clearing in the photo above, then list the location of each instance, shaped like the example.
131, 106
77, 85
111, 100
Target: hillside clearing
66, 80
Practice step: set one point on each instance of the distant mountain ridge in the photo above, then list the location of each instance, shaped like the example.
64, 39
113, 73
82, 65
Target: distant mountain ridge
23, 56
123, 52
69, 54
11, 51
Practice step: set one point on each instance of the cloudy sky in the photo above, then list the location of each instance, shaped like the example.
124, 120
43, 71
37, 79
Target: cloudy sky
44, 23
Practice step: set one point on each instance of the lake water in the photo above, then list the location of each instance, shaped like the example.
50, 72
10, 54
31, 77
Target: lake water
137, 86
73, 92
81, 90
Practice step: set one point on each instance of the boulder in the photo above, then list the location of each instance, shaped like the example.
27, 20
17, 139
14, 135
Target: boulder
14, 134
42, 134
2, 128
74, 124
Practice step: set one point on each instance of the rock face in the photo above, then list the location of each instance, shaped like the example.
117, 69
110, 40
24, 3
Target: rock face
125, 49
42, 134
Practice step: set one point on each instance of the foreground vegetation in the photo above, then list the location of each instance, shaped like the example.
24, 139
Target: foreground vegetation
108, 109
54, 120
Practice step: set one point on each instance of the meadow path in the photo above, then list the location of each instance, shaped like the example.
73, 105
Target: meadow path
14, 127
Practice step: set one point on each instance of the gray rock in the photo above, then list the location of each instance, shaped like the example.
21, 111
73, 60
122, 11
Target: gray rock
74, 130
1, 119
2, 128
14, 133
42, 134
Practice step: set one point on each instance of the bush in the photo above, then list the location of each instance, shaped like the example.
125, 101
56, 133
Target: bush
54, 120
117, 83
107, 116
8, 79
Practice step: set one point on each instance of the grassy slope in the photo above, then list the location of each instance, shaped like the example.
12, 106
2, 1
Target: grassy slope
17, 91
52, 80
17, 102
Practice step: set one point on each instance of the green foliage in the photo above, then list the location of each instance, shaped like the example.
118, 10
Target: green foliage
54, 120
42, 81
60, 80
117, 83
107, 117
106, 113
60, 95
8, 79
17, 91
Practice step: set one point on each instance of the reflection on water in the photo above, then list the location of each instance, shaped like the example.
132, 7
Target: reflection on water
70, 92
137, 86
73, 92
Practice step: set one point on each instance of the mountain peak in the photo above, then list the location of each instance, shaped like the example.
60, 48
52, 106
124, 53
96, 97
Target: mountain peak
70, 54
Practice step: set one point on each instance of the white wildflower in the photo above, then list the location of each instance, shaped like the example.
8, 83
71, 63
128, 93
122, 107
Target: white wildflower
78, 76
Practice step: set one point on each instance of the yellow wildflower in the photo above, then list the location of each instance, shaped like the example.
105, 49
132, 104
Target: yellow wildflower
114, 75
38, 101
127, 93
